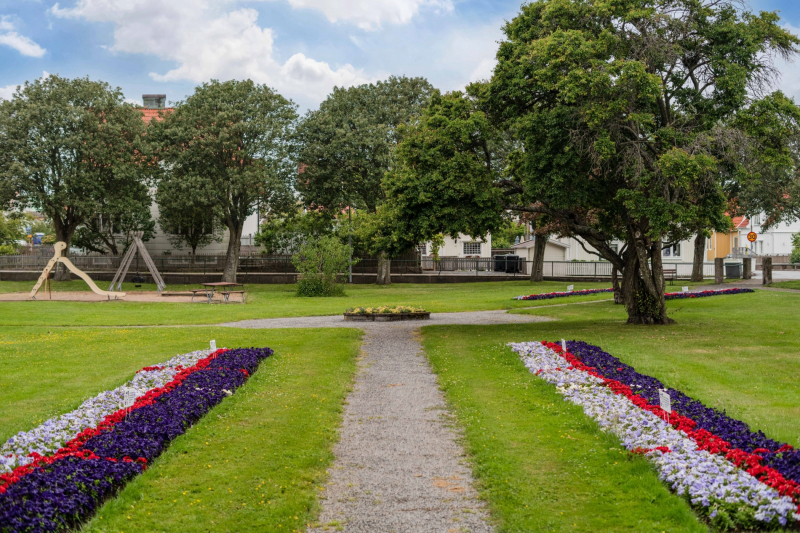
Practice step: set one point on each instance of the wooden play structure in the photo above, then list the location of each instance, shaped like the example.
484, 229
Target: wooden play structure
137, 245
57, 258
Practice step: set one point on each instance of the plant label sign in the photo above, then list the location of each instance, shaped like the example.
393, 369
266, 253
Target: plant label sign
685, 289
664, 400
129, 397
570, 288
563, 345
213, 345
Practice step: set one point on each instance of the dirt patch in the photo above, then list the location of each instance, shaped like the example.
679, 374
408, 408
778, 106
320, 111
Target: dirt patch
88, 296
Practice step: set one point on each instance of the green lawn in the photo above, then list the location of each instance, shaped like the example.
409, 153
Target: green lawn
262, 453
792, 284
536, 456
266, 301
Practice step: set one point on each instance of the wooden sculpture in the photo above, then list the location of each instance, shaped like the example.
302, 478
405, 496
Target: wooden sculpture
57, 258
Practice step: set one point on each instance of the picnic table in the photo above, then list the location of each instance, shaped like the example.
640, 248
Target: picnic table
225, 288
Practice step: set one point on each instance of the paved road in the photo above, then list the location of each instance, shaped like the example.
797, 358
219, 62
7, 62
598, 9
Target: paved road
399, 467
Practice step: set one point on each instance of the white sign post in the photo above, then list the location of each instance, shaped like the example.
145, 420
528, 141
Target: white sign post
213, 345
128, 398
664, 401
570, 288
564, 345
685, 289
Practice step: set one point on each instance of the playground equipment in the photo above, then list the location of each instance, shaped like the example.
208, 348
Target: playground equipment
57, 258
137, 245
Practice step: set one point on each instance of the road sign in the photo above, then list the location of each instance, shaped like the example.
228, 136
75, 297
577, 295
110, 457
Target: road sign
752, 236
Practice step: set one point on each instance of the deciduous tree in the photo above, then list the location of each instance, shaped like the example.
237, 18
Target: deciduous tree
230, 144
68, 147
345, 145
623, 109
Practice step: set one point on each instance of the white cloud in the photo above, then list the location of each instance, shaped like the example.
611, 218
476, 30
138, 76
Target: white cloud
206, 42
18, 42
7, 92
370, 14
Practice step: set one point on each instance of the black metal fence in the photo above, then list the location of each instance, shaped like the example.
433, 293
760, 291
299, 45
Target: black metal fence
209, 264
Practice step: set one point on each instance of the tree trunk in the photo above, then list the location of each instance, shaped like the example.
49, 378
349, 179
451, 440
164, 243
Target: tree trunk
539, 246
719, 271
643, 284
618, 298
699, 257
747, 268
194, 252
232, 255
766, 271
384, 270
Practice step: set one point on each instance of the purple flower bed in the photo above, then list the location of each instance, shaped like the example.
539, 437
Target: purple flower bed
60, 496
717, 422
703, 294
551, 295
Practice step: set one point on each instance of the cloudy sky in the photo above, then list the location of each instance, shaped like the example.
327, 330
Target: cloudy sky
301, 47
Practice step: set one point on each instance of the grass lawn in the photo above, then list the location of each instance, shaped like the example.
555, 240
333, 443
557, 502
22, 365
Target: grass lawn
266, 301
262, 453
791, 284
536, 456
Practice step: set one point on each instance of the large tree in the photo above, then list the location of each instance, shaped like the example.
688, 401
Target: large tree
229, 144
68, 148
345, 146
624, 111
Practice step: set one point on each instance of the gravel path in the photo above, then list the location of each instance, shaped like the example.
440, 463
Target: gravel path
399, 467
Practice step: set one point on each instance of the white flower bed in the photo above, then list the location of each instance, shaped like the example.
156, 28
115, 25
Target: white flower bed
47, 438
709, 481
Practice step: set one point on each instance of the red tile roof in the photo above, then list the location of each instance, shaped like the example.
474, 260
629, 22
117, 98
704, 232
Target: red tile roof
150, 114
740, 222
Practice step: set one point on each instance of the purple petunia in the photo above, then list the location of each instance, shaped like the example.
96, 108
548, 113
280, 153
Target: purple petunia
61, 495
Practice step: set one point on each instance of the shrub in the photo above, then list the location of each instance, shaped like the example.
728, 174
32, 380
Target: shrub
320, 262
7, 249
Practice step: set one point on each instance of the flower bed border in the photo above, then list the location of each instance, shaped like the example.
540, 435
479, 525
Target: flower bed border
578, 382
58, 492
386, 317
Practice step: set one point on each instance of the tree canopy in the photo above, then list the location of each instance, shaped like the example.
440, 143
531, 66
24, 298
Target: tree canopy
230, 146
345, 145
69, 147
626, 114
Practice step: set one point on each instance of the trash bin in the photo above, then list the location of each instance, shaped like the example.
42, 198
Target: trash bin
733, 270
508, 263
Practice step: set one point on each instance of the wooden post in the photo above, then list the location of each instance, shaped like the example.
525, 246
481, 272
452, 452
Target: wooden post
766, 268
719, 271
747, 268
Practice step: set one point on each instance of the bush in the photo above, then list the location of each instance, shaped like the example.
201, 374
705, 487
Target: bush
320, 262
795, 257
7, 249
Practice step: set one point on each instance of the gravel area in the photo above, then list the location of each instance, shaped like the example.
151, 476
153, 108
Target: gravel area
399, 467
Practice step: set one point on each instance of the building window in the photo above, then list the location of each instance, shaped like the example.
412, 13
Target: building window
672, 251
423, 249
736, 242
709, 243
472, 248
757, 220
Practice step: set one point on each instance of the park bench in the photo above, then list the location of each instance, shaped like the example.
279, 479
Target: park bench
671, 274
227, 294
201, 291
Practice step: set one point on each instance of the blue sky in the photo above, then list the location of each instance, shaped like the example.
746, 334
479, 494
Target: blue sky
301, 47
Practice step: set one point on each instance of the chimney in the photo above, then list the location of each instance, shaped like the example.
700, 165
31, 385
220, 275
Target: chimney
154, 101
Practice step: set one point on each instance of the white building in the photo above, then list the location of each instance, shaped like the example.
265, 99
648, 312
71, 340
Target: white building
462, 246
